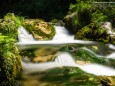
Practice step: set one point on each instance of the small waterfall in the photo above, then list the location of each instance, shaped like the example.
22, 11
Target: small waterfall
65, 59
62, 34
62, 37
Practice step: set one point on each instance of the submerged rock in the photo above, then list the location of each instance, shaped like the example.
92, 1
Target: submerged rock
43, 54
39, 29
70, 76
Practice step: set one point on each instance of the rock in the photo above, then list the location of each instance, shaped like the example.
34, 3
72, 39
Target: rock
43, 54
85, 21
91, 32
69, 24
39, 29
107, 25
79, 16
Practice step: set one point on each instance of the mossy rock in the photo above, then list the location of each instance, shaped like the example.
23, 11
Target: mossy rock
39, 29
92, 32
10, 65
70, 76
78, 16
84, 13
43, 54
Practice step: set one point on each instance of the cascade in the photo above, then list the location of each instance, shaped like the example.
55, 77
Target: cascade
62, 37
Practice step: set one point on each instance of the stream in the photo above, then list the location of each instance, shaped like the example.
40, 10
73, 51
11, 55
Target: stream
64, 59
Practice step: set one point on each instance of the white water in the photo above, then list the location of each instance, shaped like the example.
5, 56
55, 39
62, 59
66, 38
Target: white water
65, 59
62, 34
62, 37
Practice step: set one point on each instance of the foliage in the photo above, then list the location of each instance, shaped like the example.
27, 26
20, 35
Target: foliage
9, 25
93, 33
98, 17
10, 66
85, 20
78, 16
39, 29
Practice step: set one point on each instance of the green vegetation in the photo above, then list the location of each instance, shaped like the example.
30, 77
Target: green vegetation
68, 76
9, 25
89, 54
10, 66
93, 33
85, 19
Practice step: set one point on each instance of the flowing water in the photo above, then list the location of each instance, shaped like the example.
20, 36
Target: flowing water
63, 37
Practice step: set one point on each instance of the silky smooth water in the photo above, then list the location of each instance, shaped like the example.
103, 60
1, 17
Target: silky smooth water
63, 58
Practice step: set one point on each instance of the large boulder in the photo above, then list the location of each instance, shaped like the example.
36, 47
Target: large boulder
89, 22
78, 16
91, 32
39, 29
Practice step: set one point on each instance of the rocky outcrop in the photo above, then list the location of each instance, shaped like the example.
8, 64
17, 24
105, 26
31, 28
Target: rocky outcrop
88, 22
39, 29
104, 33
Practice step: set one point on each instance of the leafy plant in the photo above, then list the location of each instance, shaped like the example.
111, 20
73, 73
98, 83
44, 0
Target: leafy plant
9, 25
10, 66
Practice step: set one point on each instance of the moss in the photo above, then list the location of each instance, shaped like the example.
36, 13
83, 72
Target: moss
79, 16
9, 25
40, 29
83, 33
85, 19
85, 55
10, 65
94, 32
70, 76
